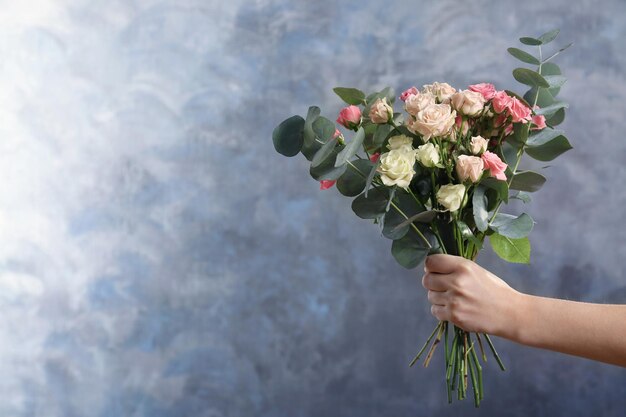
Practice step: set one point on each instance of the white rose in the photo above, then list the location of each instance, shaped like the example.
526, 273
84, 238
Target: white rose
478, 145
396, 168
469, 103
418, 102
443, 91
400, 142
428, 155
469, 167
451, 196
434, 120
381, 112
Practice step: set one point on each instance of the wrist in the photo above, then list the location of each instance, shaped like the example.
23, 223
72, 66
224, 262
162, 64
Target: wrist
516, 318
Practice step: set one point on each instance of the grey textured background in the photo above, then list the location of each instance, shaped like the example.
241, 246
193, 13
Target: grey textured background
158, 258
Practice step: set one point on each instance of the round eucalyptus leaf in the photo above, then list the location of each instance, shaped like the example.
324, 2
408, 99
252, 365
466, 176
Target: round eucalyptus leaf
530, 78
372, 206
352, 182
350, 95
410, 250
515, 227
288, 136
324, 129
523, 56
527, 181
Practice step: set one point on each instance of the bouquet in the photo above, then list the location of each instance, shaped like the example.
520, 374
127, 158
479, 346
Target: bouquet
435, 176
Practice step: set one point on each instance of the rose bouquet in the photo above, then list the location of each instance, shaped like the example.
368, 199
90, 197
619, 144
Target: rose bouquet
435, 176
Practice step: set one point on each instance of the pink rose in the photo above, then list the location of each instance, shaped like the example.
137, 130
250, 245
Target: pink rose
539, 120
337, 133
375, 157
350, 117
381, 112
406, 94
501, 101
469, 167
519, 111
494, 164
486, 89
326, 184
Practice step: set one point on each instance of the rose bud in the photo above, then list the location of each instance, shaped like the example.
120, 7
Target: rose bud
407, 93
326, 184
381, 112
350, 117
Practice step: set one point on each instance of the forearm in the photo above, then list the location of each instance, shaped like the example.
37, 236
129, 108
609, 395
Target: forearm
594, 331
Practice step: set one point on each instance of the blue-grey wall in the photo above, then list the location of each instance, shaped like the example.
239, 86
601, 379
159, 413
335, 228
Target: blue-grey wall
158, 258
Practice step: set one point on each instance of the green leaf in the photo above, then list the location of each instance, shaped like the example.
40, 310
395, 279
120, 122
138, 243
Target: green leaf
548, 36
551, 109
523, 196
395, 223
351, 148
324, 152
326, 170
548, 69
370, 177
555, 81
288, 136
512, 226
511, 250
324, 129
550, 149
530, 41
520, 135
409, 251
527, 181
352, 182
350, 95
501, 187
467, 234
311, 145
557, 118
543, 136
523, 56
509, 154
389, 93
479, 203
381, 134
423, 217
544, 99
530, 78
372, 206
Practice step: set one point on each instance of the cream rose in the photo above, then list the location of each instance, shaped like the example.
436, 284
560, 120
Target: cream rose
478, 145
469, 167
381, 112
402, 142
451, 196
396, 168
469, 103
417, 102
443, 91
428, 155
434, 120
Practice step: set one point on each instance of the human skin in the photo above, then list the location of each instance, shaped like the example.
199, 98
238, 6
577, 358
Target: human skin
476, 300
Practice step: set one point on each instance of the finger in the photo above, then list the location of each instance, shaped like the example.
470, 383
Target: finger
441, 312
436, 282
442, 264
438, 297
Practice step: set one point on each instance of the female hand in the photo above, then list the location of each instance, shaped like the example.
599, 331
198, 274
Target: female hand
469, 296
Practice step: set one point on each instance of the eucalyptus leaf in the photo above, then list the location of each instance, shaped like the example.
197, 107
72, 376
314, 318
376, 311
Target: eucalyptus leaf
410, 251
557, 118
326, 170
351, 148
548, 69
350, 95
423, 217
324, 152
550, 149
558, 52
523, 56
523, 196
544, 97
310, 145
555, 81
548, 36
288, 136
324, 129
551, 109
530, 41
352, 182
543, 136
395, 222
501, 187
530, 77
511, 250
527, 181
479, 203
467, 234
372, 206
515, 227
370, 177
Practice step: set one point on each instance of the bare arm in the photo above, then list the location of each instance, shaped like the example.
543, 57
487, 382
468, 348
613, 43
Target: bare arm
474, 299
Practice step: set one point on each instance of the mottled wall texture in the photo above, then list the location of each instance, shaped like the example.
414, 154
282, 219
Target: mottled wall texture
158, 258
